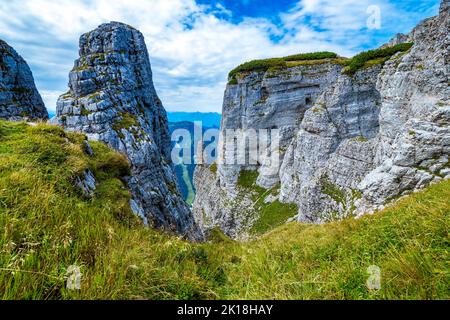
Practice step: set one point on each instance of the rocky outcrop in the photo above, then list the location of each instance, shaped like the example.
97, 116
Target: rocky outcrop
361, 142
87, 183
19, 98
112, 99
397, 39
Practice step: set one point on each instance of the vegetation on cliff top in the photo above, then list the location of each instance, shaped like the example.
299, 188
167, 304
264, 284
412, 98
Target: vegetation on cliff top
48, 225
372, 57
361, 60
266, 64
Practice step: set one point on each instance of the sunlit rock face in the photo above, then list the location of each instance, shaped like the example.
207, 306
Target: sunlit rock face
358, 143
112, 99
19, 98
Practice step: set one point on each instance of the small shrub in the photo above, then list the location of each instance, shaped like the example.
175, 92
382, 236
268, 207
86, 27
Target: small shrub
84, 112
233, 81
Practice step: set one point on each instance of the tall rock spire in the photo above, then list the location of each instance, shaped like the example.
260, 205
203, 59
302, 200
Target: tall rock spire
19, 98
112, 99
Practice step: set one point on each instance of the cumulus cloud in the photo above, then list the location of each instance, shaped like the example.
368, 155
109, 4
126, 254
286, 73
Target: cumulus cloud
192, 46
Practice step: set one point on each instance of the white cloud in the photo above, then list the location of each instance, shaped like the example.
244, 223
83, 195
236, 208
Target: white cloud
50, 97
192, 46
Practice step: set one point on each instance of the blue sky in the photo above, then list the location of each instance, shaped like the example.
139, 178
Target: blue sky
194, 44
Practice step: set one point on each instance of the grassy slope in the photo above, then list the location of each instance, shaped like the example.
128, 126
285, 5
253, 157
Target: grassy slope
269, 215
47, 226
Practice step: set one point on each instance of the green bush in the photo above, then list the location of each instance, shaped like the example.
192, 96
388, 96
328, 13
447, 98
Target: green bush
213, 168
381, 55
247, 179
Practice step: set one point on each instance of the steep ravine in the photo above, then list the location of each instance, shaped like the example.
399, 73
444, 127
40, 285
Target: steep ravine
350, 143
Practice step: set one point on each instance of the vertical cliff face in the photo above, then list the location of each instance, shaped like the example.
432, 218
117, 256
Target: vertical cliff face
413, 146
19, 98
272, 99
276, 99
112, 99
361, 141
384, 133
333, 148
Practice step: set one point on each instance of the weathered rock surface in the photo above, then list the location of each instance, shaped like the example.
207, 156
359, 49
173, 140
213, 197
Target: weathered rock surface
362, 141
333, 148
413, 146
112, 99
19, 98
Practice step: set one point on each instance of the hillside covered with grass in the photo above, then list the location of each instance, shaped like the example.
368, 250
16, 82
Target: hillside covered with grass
48, 225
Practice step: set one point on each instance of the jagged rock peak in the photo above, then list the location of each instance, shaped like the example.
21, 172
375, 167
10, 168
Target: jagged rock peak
112, 99
397, 39
445, 5
19, 98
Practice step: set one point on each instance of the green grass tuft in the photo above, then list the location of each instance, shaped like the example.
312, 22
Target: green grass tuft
125, 120
213, 168
247, 179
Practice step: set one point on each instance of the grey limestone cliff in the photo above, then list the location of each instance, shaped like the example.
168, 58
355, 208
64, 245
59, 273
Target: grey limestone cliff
354, 143
260, 100
19, 98
111, 98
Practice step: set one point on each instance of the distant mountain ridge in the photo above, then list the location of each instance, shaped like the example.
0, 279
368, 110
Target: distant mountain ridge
184, 171
210, 119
